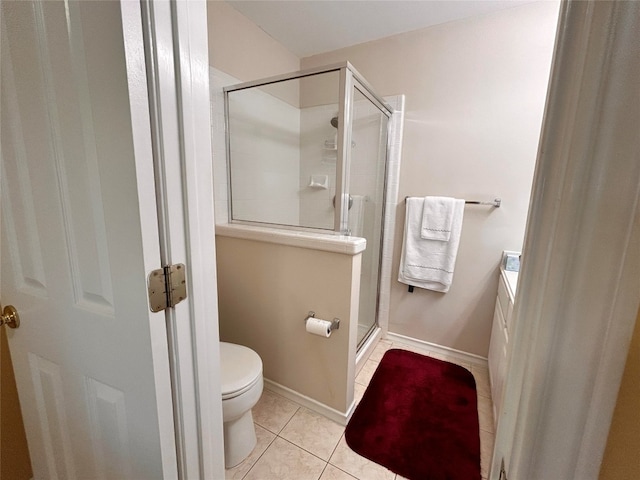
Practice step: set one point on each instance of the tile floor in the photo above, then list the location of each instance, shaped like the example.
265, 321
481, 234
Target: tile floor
298, 444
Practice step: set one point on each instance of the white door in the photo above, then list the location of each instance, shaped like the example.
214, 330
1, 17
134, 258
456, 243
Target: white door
79, 234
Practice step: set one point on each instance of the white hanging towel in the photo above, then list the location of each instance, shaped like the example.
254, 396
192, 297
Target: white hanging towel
437, 217
428, 263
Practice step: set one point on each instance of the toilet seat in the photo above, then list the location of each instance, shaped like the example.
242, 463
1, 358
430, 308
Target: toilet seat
241, 369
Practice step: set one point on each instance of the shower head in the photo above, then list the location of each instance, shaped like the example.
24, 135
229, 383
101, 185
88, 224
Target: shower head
334, 122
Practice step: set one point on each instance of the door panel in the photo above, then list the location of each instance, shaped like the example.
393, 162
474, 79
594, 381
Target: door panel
89, 357
52, 417
74, 138
110, 435
21, 232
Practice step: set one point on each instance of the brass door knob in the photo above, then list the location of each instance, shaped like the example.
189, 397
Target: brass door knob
10, 317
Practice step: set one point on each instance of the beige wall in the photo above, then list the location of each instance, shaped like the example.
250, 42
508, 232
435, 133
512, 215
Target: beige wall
240, 48
265, 292
475, 92
621, 459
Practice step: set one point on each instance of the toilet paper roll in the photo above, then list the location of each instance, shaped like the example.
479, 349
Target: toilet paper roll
319, 327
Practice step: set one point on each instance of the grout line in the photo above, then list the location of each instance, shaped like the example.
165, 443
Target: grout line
336, 447
302, 448
345, 472
323, 470
289, 421
262, 454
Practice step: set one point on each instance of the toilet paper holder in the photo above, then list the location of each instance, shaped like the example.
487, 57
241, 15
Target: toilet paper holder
335, 323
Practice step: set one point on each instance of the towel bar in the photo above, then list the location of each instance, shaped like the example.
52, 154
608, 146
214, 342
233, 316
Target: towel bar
496, 202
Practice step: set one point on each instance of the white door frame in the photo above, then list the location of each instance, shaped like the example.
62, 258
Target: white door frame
579, 287
178, 78
195, 104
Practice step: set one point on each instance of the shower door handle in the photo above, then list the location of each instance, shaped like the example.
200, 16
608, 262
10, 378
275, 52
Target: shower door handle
350, 201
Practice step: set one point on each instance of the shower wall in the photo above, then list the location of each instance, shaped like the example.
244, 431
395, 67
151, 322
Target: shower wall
318, 155
280, 158
266, 157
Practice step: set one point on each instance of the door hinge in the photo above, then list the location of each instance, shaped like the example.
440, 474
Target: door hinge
167, 287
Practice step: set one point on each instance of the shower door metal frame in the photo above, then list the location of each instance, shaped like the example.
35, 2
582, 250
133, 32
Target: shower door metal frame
343, 157
363, 88
349, 79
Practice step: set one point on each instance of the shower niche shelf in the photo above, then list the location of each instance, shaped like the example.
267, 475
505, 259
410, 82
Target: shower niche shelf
320, 182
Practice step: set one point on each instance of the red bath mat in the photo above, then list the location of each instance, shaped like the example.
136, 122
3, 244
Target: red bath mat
419, 419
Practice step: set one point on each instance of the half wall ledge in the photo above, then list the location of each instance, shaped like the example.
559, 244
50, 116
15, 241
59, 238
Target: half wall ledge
326, 242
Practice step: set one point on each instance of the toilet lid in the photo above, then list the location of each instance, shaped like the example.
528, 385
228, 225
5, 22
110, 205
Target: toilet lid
240, 368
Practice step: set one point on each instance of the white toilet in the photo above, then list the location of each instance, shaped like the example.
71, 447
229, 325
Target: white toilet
241, 370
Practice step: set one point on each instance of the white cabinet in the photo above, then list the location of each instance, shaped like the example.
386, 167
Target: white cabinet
499, 343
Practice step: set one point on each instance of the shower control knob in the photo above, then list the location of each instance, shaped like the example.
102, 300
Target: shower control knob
350, 201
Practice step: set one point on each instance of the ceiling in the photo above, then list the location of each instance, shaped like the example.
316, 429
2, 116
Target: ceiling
308, 27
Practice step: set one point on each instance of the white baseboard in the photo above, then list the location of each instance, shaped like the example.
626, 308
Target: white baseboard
465, 357
367, 348
310, 403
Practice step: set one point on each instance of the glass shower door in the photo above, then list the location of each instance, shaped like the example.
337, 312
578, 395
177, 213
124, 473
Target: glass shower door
367, 187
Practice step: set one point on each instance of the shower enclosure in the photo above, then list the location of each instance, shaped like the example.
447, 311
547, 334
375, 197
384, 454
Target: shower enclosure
308, 151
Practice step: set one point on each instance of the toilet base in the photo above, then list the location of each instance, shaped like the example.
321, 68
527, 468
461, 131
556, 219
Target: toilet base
239, 439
